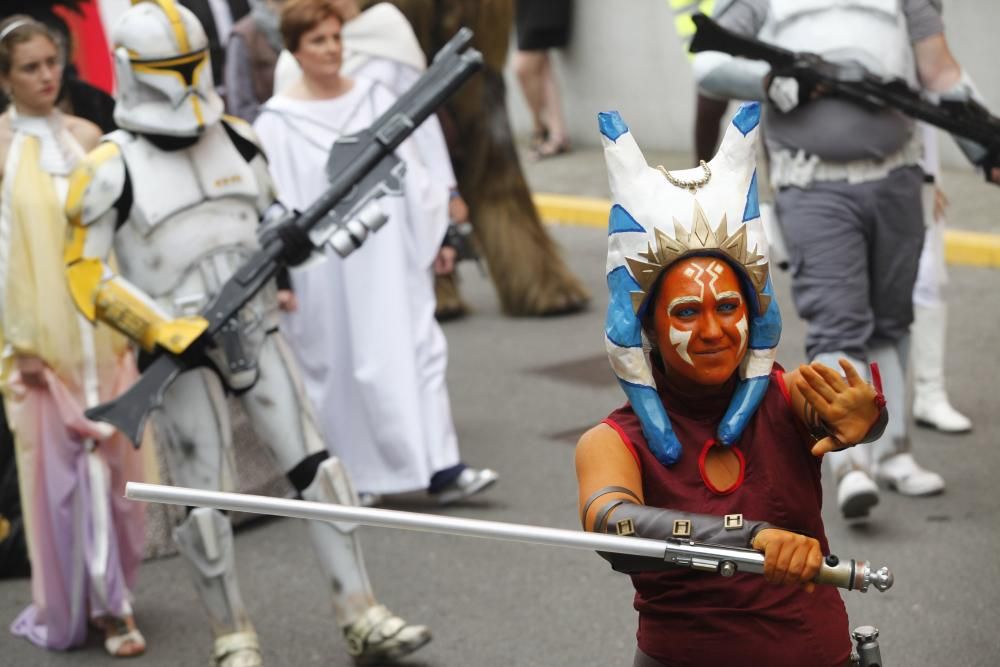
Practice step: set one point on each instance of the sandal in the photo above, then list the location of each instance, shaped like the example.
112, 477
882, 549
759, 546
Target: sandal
538, 139
121, 641
550, 148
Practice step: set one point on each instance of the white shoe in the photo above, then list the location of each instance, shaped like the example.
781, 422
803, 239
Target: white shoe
902, 474
237, 649
468, 483
380, 636
938, 413
856, 494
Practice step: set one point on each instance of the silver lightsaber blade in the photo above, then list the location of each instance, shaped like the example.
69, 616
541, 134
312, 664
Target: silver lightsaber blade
849, 574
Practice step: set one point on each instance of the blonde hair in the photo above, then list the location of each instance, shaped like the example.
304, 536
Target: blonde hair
300, 16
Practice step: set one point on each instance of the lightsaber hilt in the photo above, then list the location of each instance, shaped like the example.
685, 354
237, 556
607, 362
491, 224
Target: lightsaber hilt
726, 561
849, 574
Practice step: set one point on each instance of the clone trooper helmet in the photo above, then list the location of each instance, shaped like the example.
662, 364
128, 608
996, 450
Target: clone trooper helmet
164, 75
661, 217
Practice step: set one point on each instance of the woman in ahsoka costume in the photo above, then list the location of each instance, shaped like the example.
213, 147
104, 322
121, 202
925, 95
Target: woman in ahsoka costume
716, 444
84, 538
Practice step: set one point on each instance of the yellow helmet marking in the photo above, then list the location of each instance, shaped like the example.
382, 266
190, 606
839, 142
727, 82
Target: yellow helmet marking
176, 22
164, 63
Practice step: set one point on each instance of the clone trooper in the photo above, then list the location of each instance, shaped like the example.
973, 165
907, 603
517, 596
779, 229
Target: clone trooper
177, 195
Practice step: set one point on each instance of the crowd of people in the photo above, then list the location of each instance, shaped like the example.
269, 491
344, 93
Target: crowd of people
340, 365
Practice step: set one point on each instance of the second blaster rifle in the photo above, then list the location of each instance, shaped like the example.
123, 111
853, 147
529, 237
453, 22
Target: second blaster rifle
966, 119
361, 168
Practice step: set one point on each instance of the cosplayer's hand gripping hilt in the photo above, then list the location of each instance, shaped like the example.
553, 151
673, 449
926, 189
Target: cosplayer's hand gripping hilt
361, 168
849, 574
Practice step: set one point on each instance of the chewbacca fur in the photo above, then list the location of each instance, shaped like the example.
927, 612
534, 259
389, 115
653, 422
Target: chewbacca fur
530, 276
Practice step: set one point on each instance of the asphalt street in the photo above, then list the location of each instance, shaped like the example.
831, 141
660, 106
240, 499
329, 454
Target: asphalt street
523, 390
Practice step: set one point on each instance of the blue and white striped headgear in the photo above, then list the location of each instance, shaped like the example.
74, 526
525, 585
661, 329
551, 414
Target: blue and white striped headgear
653, 224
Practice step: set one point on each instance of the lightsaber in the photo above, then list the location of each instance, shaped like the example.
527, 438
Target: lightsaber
849, 574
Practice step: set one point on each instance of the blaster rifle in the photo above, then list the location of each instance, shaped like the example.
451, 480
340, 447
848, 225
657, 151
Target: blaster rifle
361, 167
966, 119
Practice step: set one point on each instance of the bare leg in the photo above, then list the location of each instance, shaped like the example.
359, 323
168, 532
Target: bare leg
552, 107
708, 116
530, 68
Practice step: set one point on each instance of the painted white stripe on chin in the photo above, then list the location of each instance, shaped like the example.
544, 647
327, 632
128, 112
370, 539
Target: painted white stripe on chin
680, 339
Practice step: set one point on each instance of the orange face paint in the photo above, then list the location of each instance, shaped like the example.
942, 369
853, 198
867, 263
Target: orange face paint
700, 320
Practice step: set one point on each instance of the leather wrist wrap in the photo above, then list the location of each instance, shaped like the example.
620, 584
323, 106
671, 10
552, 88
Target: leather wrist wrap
660, 524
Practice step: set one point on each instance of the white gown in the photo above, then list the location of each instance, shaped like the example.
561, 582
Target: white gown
372, 355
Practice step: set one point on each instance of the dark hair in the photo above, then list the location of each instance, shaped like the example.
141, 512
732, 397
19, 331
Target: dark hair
28, 29
300, 16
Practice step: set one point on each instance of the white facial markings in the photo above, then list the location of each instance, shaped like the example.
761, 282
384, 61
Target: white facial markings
679, 339
681, 300
715, 270
741, 326
696, 272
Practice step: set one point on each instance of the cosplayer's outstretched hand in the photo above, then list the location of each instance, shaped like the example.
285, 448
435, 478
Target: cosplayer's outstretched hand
789, 558
844, 408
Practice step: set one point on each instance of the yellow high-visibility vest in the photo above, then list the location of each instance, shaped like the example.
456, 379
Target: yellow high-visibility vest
683, 9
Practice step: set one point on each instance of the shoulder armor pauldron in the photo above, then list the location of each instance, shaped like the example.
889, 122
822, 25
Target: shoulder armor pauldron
98, 184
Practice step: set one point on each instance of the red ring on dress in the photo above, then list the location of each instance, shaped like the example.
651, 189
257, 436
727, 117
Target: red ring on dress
711, 442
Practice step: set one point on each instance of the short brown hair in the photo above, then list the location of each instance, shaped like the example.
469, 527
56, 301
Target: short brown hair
20, 34
300, 16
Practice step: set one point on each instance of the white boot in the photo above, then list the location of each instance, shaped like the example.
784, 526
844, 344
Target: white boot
237, 649
931, 407
380, 636
856, 494
895, 466
373, 633
904, 475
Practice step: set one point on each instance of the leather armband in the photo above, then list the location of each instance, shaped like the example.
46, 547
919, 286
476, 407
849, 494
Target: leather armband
628, 518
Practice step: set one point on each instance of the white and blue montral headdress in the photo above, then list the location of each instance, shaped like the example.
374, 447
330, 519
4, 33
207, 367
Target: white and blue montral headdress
659, 217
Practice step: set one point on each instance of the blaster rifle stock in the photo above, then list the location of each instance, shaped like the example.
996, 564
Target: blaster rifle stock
354, 158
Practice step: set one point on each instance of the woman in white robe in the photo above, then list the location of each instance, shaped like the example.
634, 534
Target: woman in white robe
372, 355
379, 44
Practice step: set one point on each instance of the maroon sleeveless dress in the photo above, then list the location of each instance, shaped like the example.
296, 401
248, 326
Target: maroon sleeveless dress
699, 619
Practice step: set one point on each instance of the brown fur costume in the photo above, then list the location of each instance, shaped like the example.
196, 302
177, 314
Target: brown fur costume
530, 276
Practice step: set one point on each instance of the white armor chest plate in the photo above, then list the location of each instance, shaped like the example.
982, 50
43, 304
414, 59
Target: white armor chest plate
193, 221
164, 183
870, 32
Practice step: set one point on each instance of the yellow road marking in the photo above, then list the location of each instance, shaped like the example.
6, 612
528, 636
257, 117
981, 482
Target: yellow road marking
961, 247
